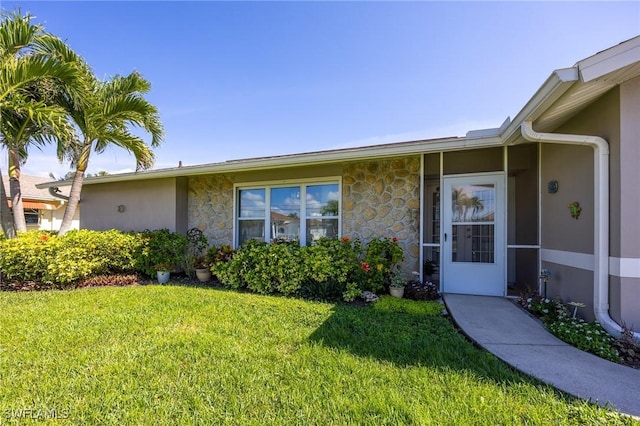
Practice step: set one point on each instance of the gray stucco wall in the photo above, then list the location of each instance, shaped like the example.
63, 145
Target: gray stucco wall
572, 167
616, 118
148, 204
625, 290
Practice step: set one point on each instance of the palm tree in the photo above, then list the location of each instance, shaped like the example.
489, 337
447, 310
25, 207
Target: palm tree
26, 61
30, 122
104, 118
8, 226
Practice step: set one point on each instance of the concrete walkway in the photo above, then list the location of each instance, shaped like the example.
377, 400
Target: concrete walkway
504, 329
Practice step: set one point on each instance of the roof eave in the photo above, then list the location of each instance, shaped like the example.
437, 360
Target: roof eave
305, 159
551, 90
610, 60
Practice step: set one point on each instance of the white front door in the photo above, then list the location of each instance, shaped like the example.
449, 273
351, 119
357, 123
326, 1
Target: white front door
474, 243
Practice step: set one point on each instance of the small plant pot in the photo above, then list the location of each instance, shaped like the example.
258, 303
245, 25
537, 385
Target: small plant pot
397, 292
203, 274
163, 277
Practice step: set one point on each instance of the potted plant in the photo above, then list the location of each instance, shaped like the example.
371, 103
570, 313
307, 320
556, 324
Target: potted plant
396, 285
163, 270
202, 268
430, 268
193, 258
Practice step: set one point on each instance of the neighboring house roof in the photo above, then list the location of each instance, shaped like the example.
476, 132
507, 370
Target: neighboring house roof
564, 94
34, 197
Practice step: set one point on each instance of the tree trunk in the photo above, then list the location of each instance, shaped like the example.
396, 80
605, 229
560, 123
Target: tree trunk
72, 205
76, 189
16, 192
8, 226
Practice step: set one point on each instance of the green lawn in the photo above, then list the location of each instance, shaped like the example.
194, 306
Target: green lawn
185, 355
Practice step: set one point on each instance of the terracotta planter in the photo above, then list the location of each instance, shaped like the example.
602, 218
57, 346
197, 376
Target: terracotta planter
396, 291
163, 277
203, 274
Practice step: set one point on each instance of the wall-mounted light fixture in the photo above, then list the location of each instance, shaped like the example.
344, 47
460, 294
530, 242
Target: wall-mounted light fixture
121, 208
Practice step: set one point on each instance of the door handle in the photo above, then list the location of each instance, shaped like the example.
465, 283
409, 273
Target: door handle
445, 237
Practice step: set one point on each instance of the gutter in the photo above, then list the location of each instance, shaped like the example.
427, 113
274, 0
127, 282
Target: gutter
304, 159
601, 217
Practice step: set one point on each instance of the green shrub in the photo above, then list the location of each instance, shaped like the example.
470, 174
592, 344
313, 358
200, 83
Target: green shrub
329, 270
233, 273
264, 268
330, 265
27, 257
47, 258
382, 258
160, 246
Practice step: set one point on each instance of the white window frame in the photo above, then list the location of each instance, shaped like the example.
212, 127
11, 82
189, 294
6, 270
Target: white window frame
32, 213
267, 186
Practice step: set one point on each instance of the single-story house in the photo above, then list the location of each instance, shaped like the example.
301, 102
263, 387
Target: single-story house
555, 188
43, 207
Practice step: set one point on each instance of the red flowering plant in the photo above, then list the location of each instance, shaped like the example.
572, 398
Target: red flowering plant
382, 258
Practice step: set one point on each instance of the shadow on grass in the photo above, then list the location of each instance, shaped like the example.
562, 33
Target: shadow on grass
394, 334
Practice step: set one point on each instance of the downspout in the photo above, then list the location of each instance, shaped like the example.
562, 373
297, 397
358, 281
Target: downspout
601, 217
53, 190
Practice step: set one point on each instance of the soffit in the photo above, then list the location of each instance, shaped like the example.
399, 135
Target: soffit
598, 74
581, 95
574, 100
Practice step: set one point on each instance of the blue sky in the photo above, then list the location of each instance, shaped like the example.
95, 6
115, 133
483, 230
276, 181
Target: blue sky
249, 79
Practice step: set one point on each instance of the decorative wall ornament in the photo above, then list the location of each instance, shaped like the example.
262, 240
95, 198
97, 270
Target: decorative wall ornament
552, 187
575, 209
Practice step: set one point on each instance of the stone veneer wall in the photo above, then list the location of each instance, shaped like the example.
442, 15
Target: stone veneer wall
211, 207
382, 199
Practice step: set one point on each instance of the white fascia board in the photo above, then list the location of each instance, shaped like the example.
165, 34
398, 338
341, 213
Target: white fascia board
555, 86
610, 60
322, 157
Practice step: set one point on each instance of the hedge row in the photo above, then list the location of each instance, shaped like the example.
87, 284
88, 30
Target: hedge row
49, 259
329, 270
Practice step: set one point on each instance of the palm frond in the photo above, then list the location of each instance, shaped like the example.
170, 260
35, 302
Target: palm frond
15, 73
122, 138
16, 33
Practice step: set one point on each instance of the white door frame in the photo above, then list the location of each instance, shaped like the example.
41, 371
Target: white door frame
474, 277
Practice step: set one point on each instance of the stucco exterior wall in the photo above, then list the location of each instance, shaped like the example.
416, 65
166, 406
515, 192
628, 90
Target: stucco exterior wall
148, 204
625, 287
379, 199
573, 168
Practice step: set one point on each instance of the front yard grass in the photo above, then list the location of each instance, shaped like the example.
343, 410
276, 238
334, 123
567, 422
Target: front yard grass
186, 355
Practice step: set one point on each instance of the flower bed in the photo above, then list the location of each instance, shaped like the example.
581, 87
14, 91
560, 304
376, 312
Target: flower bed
587, 336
